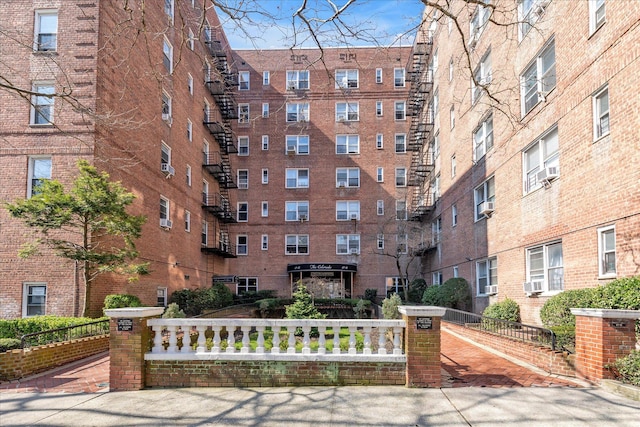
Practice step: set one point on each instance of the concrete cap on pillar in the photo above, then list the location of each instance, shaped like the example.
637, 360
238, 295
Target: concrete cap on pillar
130, 312
422, 310
606, 313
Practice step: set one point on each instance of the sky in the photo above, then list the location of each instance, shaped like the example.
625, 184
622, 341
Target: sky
386, 22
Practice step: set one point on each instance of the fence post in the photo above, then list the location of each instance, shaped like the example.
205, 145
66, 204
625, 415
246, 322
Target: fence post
128, 341
422, 345
602, 336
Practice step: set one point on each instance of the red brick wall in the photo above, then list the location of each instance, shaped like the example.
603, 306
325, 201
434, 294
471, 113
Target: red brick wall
20, 363
554, 362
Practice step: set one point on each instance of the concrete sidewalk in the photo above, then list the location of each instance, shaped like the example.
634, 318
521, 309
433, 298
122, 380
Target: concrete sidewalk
324, 406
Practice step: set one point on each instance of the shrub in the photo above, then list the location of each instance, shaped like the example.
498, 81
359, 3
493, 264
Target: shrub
390, 307
173, 312
628, 368
302, 307
121, 301
16, 328
253, 296
454, 293
557, 310
194, 302
621, 294
416, 290
565, 337
432, 296
7, 344
360, 309
507, 309
371, 294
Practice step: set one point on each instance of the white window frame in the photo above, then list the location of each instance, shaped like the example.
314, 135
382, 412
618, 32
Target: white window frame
456, 271
401, 210
298, 80
401, 142
242, 248
605, 252
547, 267
400, 110
547, 149
352, 177
190, 40
265, 176
266, 78
601, 118
482, 75
477, 24
34, 174
347, 111
402, 244
347, 144
482, 138
378, 75
347, 79
380, 241
187, 221
454, 215
452, 117
161, 296
535, 81
27, 293
188, 175
244, 113
165, 154
265, 242
295, 178
393, 285
453, 166
401, 177
398, 78
380, 207
379, 141
597, 15
169, 9
436, 278
243, 179
293, 210
296, 244
265, 209
189, 130
486, 275
265, 110
246, 284
165, 208
346, 242
167, 55
485, 192
243, 146
379, 111
380, 174
299, 142
297, 112
265, 142
41, 104
244, 80
52, 44
243, 211
346, 209
190, 83
204, 234
167, 106
529, 11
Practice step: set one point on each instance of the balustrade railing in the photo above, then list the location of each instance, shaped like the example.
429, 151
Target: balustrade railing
265, 339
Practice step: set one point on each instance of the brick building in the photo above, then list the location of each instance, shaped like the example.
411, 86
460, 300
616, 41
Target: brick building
536, 180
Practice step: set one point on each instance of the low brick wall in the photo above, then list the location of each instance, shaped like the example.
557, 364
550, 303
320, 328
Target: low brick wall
227, 373
554, 362
15, 364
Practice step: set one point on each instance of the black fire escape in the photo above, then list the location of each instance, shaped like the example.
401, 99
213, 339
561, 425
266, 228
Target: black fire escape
420, 133
220, 82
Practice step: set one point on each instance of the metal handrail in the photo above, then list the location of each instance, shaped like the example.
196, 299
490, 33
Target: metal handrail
513, 330
99, 327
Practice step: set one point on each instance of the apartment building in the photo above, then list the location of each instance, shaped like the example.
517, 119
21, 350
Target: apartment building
322, 170
535, 176
144, 103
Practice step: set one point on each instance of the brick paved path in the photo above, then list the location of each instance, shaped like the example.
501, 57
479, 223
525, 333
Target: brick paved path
471, 366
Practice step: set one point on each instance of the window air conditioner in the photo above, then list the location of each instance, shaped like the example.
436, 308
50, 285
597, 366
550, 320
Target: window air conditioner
302, 218
487, 208
291, 149
166, 117
342, 184
342, 118
167, 169
165, 223
291, 87
548, 174
534, 287
353, 251
354, 216
493, 289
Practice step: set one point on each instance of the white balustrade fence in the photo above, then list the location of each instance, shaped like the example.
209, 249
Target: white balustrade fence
167, 332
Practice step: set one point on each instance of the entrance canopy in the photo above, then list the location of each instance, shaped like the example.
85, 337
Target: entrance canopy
339, 278
329, 267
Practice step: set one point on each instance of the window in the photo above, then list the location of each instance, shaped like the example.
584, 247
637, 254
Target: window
380, 174
190, 40
297, 178
436, 278
166, 107
601, 113
486, 192
168, 9
401, 143
347, 177
347, 111
265, 209
299, 144
453, 166
436, 231
435, 104
165, 154
297, 80
298, 112
161, 297
265, 142
451, 69
380, 207
204, 234
452, 117
347, 244
46, 31
243, 146
297, 244
188, 175
39, 170
486, 275
394, 285
205, 191
246, 284
243, 211
189, 130
539, 78
378, 75
454, 215
42, 104
529, 11
483, 138
347, 144
265, 242
164, 208
243, 80
435, 185
379, 141
596, 15
242, 244
190, 83
347, 210
265, 110
380, 241
401, 210
187, 221
207, 72
243, 179
34, 302
456, 271
243, 113
401, 177
607, 251
296, 211
266, 78
541, 154
482, 76
436, 145
346, 79
265, 176
167, 55
379, 108
400, 110
545, 265
477, 23
398, 77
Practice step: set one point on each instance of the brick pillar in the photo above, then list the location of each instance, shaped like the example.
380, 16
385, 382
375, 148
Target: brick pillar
128, 341
602, 336
422, 345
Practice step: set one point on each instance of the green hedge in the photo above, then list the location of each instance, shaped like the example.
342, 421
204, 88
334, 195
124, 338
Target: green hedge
7, 344
627, 369
121, 301
454, 293
194, 301
507, 309
15, 328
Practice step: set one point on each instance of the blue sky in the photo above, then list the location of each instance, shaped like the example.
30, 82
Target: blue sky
383, 21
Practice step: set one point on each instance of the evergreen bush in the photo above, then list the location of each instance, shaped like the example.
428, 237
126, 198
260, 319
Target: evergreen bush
7, 344
121, 301
173, 312
628, 368
416, 290
454, 293
433, 296
507, 309
390, 307
16, 328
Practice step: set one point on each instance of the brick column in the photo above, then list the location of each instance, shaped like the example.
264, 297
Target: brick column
128, 341
422, 345
602, 336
